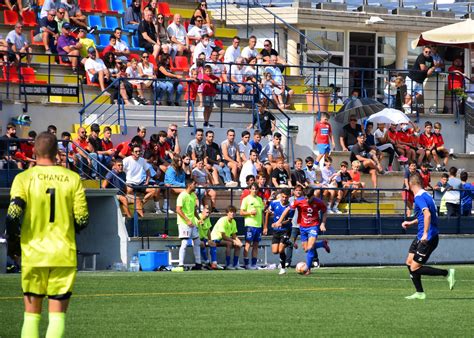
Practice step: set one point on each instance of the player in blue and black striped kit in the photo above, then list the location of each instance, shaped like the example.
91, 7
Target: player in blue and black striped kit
281, 234
426, 239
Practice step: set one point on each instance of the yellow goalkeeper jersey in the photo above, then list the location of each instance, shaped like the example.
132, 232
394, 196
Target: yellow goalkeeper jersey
53, 201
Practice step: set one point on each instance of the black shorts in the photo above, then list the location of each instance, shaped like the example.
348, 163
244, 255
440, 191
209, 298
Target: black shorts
423, 250
442, 153
364, 170
137, 188
282, 237
147, 46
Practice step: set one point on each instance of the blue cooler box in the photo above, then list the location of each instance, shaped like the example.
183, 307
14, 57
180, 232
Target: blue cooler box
151, 260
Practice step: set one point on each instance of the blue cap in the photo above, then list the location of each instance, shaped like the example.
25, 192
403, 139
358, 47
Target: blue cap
67, 25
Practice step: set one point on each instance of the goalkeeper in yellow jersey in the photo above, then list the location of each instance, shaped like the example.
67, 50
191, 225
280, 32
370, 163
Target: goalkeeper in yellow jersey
52, 201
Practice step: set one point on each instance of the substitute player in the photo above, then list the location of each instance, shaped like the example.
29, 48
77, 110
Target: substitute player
309, 209
204, 228
426, 240
281, 235
187, 225
252, 209
53, 204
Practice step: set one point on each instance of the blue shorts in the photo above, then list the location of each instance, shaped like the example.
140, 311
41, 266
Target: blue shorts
253, 234
309, 232
324, 148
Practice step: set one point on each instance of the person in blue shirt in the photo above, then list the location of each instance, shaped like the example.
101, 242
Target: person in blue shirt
426, 239
466, 195
281, 235
175, 179
116, 178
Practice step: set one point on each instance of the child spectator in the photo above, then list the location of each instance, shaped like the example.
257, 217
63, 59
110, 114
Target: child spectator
385, 144
323, 137
440, 189
191, 94
298, 176
116, 179
466, 195
407, 194
66, 151
425, 176
280, 177
453, 196
428, 142
439, 142
310, 172
330, 179
209, 91
202, 178
345, 182
357, 183
132, 72
403, 150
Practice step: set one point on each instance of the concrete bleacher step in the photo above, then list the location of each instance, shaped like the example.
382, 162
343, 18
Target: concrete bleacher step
368, 208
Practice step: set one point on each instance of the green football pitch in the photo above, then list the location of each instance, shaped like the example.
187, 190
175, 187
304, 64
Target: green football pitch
330, 302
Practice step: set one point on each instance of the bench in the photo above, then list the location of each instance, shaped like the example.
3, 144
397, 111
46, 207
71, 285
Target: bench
84, 255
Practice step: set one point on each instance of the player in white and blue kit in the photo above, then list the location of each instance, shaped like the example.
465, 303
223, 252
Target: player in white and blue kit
426, 239
281, 234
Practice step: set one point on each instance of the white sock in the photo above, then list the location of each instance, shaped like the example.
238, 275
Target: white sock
165, 204
335, 205
182, 251
157, 205
197, 250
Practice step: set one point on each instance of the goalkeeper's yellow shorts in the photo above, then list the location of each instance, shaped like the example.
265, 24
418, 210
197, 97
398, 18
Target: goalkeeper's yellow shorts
54, 282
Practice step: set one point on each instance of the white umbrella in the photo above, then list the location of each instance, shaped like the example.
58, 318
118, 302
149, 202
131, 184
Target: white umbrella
389, 115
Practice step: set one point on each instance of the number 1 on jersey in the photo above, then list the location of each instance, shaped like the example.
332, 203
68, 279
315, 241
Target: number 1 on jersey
52, 206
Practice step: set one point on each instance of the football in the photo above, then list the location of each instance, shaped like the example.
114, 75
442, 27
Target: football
301, 268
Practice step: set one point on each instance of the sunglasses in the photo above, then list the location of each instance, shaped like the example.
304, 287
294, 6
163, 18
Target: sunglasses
199, 20
145, 57
61, 12
160, 18
353, 120
266, 45
173, 130
137, 152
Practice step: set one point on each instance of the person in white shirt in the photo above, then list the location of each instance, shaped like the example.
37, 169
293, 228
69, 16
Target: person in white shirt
121, 47
244, 146
250, 51
178, 34
19, 45
203, 47
96, 69
196, 32
232, 52
237, 77
249, 168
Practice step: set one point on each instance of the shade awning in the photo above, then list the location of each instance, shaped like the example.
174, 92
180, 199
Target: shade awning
460, 34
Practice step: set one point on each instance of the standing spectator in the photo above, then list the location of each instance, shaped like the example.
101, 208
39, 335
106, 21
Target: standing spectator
250, 51
191, 92
453, 196
265, 122
209, 91
197, 147
147, 35
440, 189
466, 195
349, 133
249, 168
215, 162
133, 16
177, 34
187, 216
456, 74
407, 194
168, 82
50, 32
268, 51
66, 151
18, 46
230, 154
252, 209
369, 161
423, 68
69, 47
232, 52
9, 147
323, 137
439, 142
175, 179
70, 6
116, 179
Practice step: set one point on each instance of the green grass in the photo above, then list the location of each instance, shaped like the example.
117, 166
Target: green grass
330, 302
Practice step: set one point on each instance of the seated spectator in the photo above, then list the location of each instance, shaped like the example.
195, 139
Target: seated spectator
407, 137
196, 33
115, 47
268, 51
124, 149
428, 142
298, 176
467, 195
441, 151
279, 79
272, 152
383, 142
280, 177
79, 20
50, 32
81, 153
172, 139
86, 43
215, 163
329, 179
96, 151
162, 32
116, 179
310, 173
146, 70
453, 196
25, 154
250, 51
349, 133
133, 16
344, 183
147, 35
47, 6
69, 47
368, 159
134, 75
249, 169
18, 46
163, 150
202, 177
107, 144
66, 151
370, 141
168, 82
232, 52
440, 189
230, 154
9, 147
357, 183
197, 147
61, 18
237, 80
187, 167
255, 142
175, 179
245, 146
70, 6
395, 138
177, 34
456, 74
201, 12
96, 70
203, 46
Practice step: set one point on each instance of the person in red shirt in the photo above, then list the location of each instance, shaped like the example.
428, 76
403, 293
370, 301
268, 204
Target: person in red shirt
356, 183
209, 91
428, 142
191, 88
456, 75
440, 149
263, 192
407, 138
322, 137
308, 219
425, 176
107, 144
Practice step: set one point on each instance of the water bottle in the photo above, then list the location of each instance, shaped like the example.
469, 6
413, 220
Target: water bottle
134, 264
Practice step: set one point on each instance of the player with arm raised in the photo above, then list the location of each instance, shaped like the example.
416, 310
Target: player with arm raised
426, 239
53, 204
281, 235
309, 209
